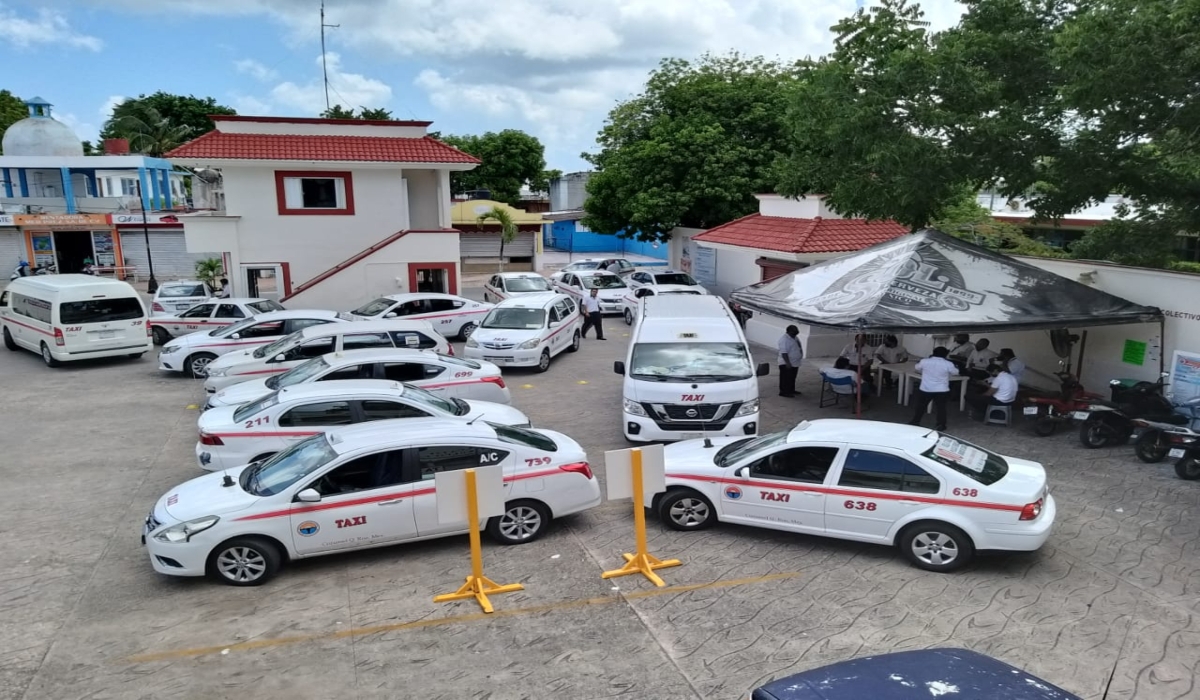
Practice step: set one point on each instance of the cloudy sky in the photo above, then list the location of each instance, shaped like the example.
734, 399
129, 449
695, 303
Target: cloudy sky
552, 68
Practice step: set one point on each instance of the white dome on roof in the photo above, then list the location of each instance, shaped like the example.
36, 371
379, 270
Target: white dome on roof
41, 135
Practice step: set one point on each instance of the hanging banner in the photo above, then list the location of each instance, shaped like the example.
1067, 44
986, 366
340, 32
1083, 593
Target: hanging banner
43, 249
102, 244
1185, 376
62, 222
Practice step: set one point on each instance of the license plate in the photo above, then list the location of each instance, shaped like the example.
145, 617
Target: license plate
692, 436
107, 334
1080, 415
1175, 454
1031, 410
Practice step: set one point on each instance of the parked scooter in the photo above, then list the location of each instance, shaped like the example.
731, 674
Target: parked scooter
22, 270
1049, 412
1157, 439
1111, 422
1188, 466
50, 269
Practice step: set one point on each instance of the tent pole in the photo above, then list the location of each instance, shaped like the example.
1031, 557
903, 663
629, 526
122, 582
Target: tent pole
1082, 347
1162, 345
858, 384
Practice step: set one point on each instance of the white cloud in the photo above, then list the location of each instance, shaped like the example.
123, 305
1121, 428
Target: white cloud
48, 27
252, 106
256, 70
351, 90
85, 131
109, 105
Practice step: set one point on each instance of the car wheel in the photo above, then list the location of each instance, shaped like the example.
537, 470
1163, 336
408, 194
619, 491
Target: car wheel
523, 521
135, 356
161, 336
244, 561
1150, 447
684, 509
466, 331
544, 361
48, 358
1188, 468
575, 342
9, 342
197, 365
628, 317
935, 546
1094, 434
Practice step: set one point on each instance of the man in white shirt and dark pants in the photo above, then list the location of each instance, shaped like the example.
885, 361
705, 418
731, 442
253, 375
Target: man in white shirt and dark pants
1001, 391
592, 315
790, 355
936, 372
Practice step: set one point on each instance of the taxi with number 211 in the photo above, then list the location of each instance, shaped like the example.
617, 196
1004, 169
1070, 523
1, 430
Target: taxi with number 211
939, 499
366, 485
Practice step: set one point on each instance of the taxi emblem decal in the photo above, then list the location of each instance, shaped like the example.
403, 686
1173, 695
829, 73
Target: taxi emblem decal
733, 493
308, 528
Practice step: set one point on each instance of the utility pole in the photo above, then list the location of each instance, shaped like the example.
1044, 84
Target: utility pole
151, 284
324, 65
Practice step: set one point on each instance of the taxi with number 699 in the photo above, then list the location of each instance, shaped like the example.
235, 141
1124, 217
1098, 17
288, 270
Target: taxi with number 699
937, 498
366, 485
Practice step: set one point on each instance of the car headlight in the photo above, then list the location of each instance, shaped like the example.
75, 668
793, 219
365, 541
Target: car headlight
748, 408
634, 408
171, 349
472, 343
216, 371
183, 531
531, 344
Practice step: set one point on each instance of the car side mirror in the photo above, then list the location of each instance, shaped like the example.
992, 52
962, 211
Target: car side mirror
390, 314
763, 370
236, 336
280, 357
742, 472
554, 324
619, 367
309, 496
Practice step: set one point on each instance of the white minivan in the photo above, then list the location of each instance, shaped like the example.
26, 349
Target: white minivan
527, 330
689, 372
74, 317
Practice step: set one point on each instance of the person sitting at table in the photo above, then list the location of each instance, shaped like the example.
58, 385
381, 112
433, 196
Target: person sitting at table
963, 347
980, 359
1001, 391
842, 368
1015, 367
890, 353
859, 348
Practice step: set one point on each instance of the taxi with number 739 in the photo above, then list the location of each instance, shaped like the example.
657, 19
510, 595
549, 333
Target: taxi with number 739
937, 498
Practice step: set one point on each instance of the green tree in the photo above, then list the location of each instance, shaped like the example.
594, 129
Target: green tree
338, 112
512, 159
379, 114
963, 217
210, 271
508, 229
12, 110
149, 132
189, 113
693, 148
1150, 238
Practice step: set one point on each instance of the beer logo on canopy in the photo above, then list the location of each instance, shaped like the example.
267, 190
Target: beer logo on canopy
902, 279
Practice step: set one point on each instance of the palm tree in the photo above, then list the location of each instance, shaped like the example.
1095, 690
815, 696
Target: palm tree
209, 271
508, 229
149, 132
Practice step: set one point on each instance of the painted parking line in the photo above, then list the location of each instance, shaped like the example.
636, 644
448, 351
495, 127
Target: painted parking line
451, 620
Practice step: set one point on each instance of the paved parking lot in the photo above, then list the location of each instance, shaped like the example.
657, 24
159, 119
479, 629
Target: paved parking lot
1113, 598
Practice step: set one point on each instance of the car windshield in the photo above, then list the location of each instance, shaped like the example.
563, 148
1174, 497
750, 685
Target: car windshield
250, 409
515, 318
287, 467
523, 436
690, 362
455, 407
603, 282
972, 461
234, 328
735, 452
585, 265
675, 278
374, 308
298, 374
527, 284
100, 310
175, 291
678, 291
278, 346
451, 360
265, 306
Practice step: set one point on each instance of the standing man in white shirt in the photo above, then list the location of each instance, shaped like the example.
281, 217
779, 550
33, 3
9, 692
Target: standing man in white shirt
962, 348
592, 317
1001, 391
614, 267
790, 356
935, 386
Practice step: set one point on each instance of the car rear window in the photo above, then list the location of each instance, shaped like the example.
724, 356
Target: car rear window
100, 310
266, 306
972, 461
459, 361
674, 278
522, 436
182, 290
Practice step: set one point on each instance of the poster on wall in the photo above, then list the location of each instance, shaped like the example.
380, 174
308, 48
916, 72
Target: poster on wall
102, 244
1185, 376
685, 257
704, 266
43, 249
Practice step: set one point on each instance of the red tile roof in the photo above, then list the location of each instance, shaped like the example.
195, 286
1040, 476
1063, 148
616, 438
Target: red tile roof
216, 145
788, 235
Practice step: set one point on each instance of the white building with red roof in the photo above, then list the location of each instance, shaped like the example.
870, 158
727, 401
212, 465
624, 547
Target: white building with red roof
325, 213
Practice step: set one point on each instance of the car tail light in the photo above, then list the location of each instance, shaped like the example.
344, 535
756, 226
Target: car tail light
1032, 510
149, 331
207, 439
498, 381
157, 307
450, 350
578, 468
59, 340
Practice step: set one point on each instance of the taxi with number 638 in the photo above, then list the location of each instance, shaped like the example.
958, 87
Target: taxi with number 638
937, 498
366, 485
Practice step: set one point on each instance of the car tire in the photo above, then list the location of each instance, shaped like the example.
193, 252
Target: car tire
686, 510
1150, 447
465, 332
544, 361
523, 521
936, 546
244, 561
628, 317
1188, 468
575, 343
48, 358
9, 342
161, 336
1094, 434
196, 364
135, 356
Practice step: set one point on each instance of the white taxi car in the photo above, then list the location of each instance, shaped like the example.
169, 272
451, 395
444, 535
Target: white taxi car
527, 330
664, 276
303, 345
505, 285
443, 375
179, 295
231, 436
632, 301
192, 353
214, 313
611, 289
360, 486
624, 267
452, 316
939, 499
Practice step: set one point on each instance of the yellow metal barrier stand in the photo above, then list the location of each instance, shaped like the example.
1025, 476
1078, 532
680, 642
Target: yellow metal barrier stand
477, 586
642, 562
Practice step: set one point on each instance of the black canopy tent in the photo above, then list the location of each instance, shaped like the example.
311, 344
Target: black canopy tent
927, 282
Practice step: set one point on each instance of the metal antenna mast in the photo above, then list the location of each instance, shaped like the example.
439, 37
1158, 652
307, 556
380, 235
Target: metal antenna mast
324, 65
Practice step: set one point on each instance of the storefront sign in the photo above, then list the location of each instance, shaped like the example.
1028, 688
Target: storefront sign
151, 218
62, 221
6, 220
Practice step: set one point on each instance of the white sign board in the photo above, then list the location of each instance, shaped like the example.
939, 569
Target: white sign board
1185, 376
451, 493
618, 468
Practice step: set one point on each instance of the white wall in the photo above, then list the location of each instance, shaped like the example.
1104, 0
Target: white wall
424, 212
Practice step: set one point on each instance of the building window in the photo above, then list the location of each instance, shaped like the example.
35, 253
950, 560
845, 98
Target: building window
772, 268
129, 187
314, 192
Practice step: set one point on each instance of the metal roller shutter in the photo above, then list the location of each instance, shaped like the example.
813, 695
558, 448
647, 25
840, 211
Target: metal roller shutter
171, 259
487, 245
12, 251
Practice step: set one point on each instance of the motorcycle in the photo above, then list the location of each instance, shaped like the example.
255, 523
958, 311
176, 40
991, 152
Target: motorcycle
46, 270
1049, 411
1157, 439
1188, 466
1112, 422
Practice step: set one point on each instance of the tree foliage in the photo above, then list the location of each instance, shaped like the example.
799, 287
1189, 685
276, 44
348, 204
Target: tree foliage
340, 112
692, 149
965, 218
189, 115
508, 228
512, 159
12, 110
149, 131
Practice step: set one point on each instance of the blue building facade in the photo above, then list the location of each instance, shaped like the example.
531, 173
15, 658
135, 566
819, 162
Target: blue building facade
570, 236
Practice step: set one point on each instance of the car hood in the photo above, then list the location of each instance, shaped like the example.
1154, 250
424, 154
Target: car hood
217, 418
238, 394
205, 495
236, 357
495, 413
672, 392
692, 454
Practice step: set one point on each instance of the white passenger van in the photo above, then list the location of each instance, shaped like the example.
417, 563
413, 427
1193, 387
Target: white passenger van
527, 330
74, 317
689, 372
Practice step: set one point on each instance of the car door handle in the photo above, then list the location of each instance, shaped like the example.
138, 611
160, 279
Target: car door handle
390, 503
910, 503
